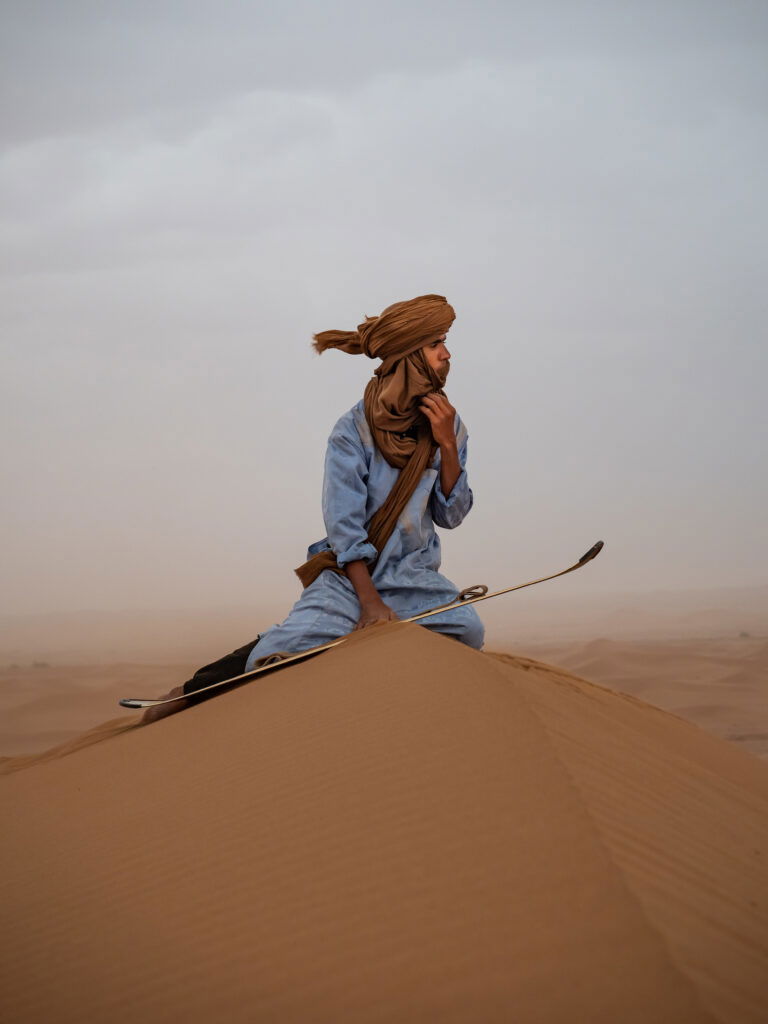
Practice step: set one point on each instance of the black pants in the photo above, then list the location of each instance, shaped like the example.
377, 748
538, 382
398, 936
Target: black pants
225, 668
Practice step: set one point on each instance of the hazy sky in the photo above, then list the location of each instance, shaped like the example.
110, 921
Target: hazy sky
190, 190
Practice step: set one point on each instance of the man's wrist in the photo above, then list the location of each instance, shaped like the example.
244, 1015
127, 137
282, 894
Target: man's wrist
360, 577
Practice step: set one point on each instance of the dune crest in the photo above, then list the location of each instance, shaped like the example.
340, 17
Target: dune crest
105, 731
399, 829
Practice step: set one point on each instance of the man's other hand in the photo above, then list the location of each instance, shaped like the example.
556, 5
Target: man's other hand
373, 613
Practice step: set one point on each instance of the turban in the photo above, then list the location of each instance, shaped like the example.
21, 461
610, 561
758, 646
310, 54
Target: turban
392, 398
403, 328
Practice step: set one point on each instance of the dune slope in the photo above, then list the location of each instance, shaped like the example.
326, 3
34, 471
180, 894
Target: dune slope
400, 829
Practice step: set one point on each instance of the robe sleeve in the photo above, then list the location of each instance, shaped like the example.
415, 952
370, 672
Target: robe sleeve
345, 493
450, 512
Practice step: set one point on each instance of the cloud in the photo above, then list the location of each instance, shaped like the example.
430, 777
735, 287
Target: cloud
590, 198
72, 67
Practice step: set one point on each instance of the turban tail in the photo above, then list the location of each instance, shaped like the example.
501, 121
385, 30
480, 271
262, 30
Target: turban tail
391, 402
401, 329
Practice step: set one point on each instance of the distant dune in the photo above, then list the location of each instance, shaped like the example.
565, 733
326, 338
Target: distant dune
130, 636
554, 615
402, 829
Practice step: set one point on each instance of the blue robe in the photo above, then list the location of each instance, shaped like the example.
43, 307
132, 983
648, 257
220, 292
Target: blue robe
357, 480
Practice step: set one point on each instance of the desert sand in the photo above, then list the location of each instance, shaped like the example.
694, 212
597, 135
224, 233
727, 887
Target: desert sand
61, 675
720, 684
400, 829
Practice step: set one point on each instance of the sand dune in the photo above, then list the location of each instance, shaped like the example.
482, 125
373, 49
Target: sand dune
43, 707
400, 829
717, 683
720, 684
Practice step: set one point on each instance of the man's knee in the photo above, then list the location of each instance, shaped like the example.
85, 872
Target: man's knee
464, 624
474, 630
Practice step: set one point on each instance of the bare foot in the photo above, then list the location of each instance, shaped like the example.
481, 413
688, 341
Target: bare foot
163, 710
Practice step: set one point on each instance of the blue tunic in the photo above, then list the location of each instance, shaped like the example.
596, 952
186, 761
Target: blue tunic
357, 480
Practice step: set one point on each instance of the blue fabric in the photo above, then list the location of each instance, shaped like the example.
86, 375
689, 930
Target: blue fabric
357, 480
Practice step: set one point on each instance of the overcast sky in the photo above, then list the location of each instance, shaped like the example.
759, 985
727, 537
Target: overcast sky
190, 190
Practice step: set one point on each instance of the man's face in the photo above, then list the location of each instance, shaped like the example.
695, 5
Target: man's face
438, 356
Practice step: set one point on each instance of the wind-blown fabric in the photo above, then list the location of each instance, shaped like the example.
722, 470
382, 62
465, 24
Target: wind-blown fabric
399, 330
357, 481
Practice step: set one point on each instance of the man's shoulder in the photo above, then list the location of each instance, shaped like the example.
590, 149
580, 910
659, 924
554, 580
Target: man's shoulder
353, 425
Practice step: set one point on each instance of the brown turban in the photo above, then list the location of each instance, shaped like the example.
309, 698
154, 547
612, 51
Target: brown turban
403, 328
392, 399
396, 337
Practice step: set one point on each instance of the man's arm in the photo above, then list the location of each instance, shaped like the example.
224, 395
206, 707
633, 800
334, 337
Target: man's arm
344, 501
441, 416
450, 468
372, 607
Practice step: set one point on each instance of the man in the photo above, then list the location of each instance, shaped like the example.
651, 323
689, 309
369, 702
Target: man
395, 468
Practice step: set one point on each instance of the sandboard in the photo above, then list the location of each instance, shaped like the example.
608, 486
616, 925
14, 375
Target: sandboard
469, 596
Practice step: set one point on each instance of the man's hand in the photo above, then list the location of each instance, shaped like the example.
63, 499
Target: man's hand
372, 613
372, 607
441, 416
